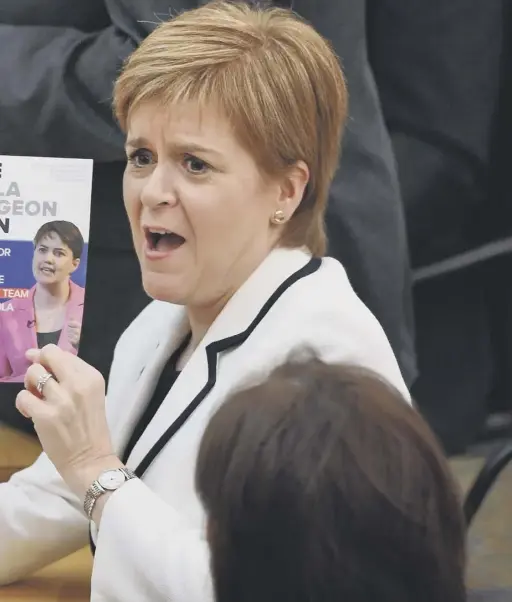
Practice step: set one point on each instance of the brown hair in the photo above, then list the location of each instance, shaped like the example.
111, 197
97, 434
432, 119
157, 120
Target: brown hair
323, 485
275, 78
69, 234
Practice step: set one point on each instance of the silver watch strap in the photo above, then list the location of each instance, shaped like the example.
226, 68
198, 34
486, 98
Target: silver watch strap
96, 490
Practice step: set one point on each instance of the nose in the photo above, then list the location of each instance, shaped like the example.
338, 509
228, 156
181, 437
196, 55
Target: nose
158, 189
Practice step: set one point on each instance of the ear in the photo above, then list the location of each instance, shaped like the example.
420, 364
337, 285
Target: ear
293, 185
76, 263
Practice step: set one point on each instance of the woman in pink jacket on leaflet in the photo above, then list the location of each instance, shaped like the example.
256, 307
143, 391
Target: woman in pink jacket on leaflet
52, 312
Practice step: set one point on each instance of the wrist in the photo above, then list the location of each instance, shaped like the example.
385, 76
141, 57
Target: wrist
79, 478
102, 488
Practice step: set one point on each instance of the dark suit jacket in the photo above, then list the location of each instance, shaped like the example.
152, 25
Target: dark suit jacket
437, 65
57, 71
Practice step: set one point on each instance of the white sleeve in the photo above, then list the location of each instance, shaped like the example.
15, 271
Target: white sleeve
40, 521
159, 556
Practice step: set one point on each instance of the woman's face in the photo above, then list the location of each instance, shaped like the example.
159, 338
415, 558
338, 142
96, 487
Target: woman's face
198, 205
53, 260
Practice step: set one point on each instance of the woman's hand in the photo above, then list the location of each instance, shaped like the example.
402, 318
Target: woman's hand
69, 416
74, 330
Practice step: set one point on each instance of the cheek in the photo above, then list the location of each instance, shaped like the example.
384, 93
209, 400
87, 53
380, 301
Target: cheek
133, 212
133, 208
62, 264
131, 196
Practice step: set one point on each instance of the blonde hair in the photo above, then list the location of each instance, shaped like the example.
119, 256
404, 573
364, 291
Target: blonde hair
276, 79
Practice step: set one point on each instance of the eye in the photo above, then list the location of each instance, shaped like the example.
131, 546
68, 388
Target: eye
195, 165
141, 157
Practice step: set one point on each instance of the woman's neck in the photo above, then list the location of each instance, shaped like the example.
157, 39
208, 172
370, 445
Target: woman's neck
201, 318
50, 296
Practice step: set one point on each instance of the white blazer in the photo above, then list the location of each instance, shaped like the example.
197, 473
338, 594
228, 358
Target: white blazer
151, 546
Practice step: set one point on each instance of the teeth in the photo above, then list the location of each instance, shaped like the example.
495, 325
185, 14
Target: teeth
155, 231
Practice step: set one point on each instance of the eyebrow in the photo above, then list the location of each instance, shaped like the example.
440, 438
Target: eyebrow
54, 248
186, 147
136, 142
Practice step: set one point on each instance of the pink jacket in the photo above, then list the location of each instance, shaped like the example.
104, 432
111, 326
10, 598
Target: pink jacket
18, 332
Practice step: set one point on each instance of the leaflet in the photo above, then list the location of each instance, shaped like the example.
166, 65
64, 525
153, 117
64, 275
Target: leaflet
45, 207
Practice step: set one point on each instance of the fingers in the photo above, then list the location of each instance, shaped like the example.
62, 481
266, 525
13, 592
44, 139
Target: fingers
33, 355
60, 363
31, 406
74, 376
73, 332
32, 376
20, 404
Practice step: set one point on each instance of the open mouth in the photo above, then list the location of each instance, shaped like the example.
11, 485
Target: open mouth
162, 240
46, 270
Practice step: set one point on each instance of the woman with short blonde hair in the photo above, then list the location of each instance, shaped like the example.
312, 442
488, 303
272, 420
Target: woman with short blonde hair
233, 117
275, 77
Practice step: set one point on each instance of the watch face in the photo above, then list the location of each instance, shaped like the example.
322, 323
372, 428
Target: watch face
111, 479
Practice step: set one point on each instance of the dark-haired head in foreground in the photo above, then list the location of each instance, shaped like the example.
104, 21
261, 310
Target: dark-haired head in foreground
323, 485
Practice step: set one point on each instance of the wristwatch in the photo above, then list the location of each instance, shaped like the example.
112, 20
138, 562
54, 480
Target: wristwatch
109, 480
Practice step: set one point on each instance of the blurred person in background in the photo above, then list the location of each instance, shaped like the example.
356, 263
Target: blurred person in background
322, 484
437, 66
57, 81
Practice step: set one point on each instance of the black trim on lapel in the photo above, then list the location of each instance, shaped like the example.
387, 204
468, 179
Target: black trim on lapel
211, 353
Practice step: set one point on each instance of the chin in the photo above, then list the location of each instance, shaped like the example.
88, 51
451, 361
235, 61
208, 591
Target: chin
160, 289
46, 281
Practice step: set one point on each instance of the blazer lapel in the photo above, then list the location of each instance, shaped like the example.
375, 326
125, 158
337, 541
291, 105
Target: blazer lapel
28, 320
140, 388
188, 386
241, 315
